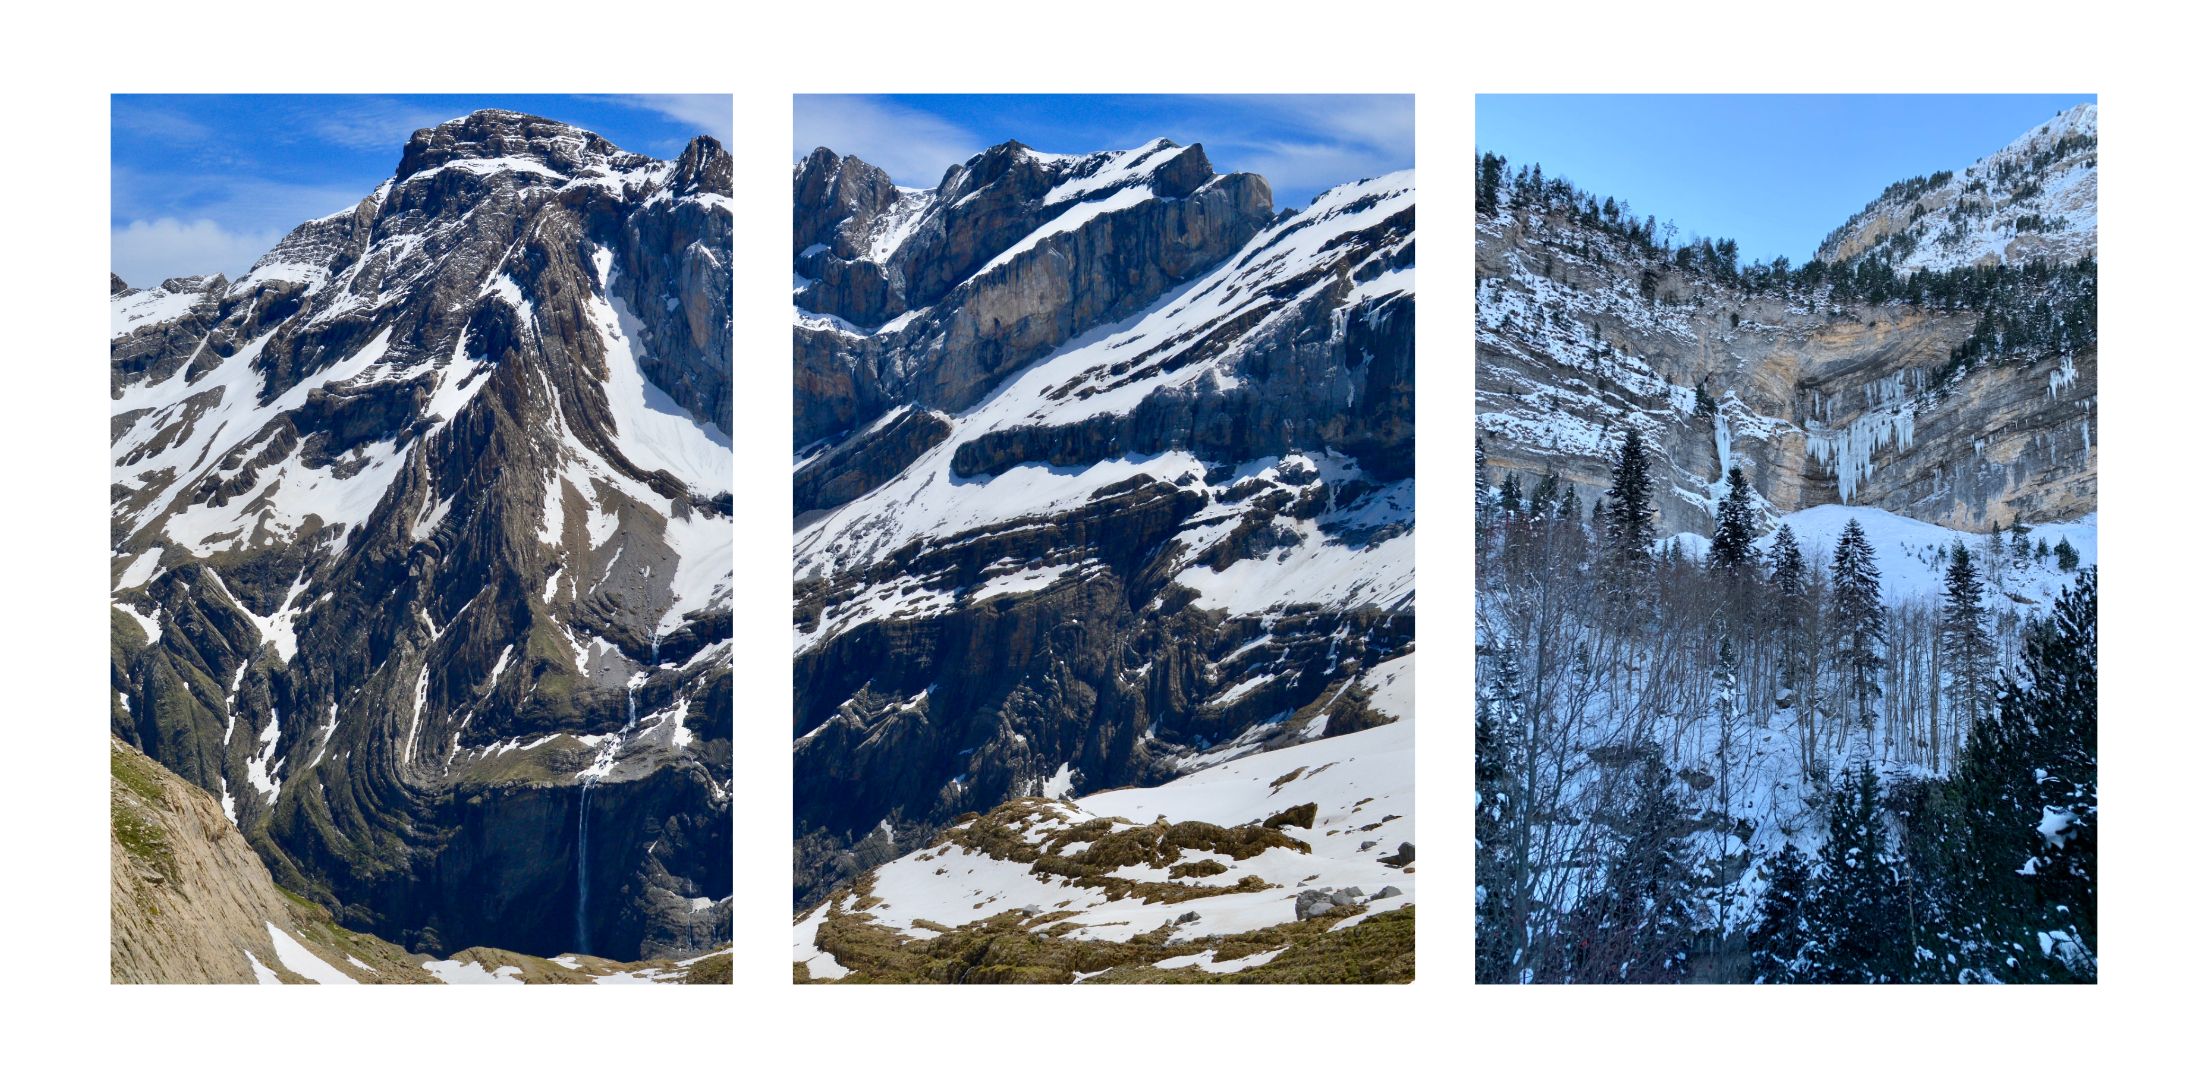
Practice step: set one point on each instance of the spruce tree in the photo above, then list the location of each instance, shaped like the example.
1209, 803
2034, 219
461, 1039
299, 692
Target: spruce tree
1863, 935
1631, 522
1636, 928
1499, 744
2020, 812
1779, 945
1543, 497
1488, 196
1859, 620
1733, 547
1790, 608
2066, 556
2059, 699
1509, 502
1966, 649
1479, 470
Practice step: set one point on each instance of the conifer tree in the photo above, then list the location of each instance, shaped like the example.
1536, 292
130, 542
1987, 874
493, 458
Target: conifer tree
2066, 556
1857, 916
1789, 609
1499, 836
1636, 929
1779, 946
1488, 197
1543, 497
1631, 524
2019, 816
1733, 548
1479, 469
1859, 620
1509, 502
1966, 649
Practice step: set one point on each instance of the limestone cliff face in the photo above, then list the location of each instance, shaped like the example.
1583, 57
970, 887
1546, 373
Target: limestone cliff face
1582, 335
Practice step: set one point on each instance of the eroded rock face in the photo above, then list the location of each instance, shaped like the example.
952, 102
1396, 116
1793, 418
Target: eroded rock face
1128, 483
1581, 336
930, 297
420, 529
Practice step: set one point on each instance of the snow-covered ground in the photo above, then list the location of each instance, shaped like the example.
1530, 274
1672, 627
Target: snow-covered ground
1357, 780
1911, 553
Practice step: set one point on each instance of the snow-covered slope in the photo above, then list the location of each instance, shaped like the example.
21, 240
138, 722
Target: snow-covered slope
1911, 554
1183, 888
2035, 199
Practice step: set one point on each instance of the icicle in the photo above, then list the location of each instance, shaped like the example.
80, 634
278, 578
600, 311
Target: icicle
2061, 378
1724, 446
1848, 451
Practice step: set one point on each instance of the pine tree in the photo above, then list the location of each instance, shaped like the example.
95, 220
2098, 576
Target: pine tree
1966, 649
1543, 497
1789, 611
1863, 937
1637, 927
1509, 502
1631, 522
1499, 744
2020, 812
2066, 556
1779, 946
1859, 620
1733, 546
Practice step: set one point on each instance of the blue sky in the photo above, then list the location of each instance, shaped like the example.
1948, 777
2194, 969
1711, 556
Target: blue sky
1776, 172
207, 183
1301, 143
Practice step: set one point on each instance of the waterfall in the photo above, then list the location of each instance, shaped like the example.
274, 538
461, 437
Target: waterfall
598, 769
582, 871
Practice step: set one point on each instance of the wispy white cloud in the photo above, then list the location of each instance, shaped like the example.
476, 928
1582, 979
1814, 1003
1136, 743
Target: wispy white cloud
1305, 143
914, 147
145, 253
176, 224
136, 120
370, 123
709, 114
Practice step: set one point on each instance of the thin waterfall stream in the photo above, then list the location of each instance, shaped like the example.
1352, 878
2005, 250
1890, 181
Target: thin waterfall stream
598, 769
